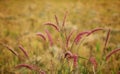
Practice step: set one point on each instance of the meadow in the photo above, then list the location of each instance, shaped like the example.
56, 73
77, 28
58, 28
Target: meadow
59, 37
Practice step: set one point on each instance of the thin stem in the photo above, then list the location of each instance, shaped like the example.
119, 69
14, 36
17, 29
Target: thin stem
93, 69
80, 43
82, 58
72, 45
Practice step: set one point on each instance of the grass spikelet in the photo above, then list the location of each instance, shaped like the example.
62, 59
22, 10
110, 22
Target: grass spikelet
93, 61
68, 54
111, 53
11, 49
74, 57
41, 35
53, 25
79, 36
64, 19
75, 60
26, 66
23, 50
56, 19
107, 37
68, 38
92, 31
49, 37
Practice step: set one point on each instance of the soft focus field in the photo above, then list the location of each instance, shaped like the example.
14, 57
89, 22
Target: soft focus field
20, 20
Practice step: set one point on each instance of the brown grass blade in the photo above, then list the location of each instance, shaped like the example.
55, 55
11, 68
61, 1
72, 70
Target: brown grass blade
23, 50
41, 35
111, 53
49, 37
53, 25
92, 31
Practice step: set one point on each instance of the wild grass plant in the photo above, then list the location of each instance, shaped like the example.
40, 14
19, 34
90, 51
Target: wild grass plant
62, 53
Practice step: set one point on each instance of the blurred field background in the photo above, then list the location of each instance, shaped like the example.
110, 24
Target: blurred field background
20, 20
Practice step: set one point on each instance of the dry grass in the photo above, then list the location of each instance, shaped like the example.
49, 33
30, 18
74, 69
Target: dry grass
20, 21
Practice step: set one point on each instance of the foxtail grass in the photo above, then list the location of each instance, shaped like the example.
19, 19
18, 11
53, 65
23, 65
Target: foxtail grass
111, 53
106, 41
53, 25
41, 35
10, 49
49, 37
24, 51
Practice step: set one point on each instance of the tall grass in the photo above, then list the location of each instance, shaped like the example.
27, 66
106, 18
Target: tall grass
65, 60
